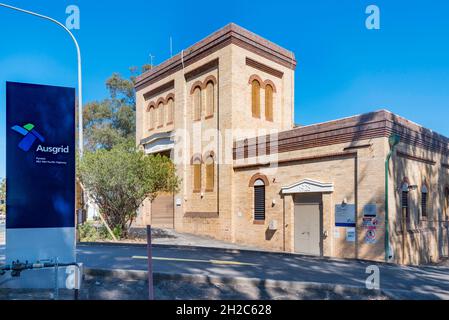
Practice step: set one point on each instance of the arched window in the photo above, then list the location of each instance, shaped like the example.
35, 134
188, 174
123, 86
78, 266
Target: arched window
170, 110
197, 104
151, 117
148, 118
255, 98
196, 164
424, 199
210, 172
160, 109
269, 102
210, 99
259, 200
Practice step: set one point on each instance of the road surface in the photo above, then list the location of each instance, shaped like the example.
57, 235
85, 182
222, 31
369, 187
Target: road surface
414, 282
418, 282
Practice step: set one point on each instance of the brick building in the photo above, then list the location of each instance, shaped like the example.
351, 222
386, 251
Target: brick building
223, 110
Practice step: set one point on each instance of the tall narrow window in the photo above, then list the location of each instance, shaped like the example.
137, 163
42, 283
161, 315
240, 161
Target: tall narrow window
152, 117
269, 102
170, 110
196, 163
210, 99
148, 118
404, 200
259, 200
197, 104
255, 98
424, 198
210, 172
160, 109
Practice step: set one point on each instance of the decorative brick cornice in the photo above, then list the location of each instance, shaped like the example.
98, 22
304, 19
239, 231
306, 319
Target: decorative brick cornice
230, 34
362, 127
264, 68
328, 156
162, 88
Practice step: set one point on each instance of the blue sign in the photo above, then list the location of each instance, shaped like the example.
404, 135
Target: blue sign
40, 156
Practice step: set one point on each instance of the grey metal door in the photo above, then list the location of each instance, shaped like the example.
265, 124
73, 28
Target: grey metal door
308, 228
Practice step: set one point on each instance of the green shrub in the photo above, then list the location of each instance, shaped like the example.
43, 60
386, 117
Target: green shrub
90, 232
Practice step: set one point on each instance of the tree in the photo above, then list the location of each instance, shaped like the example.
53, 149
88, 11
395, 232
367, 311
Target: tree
2, 196
111, 121
121, 178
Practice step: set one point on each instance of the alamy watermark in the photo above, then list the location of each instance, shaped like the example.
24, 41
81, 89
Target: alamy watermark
372, 282
73, 20
372, 22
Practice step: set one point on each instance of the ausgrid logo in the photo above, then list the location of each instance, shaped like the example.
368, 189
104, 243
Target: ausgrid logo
30, 136
54, 150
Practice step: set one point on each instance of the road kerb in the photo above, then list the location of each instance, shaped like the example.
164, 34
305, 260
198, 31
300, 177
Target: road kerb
219, 280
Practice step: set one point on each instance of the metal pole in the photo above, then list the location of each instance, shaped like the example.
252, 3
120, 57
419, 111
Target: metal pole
56, 280
150, 265
80, 84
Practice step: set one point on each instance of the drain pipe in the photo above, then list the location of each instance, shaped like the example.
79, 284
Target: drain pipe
393, 141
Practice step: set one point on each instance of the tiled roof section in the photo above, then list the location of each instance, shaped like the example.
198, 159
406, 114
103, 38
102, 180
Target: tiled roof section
231, 33
376, 124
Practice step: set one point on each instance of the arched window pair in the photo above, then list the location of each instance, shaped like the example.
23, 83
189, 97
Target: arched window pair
197, 98
259, 182
160, 113
256, 86
197, 163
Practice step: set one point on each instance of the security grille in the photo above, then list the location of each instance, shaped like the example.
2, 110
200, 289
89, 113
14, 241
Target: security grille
424, 204
405, 203
259, 202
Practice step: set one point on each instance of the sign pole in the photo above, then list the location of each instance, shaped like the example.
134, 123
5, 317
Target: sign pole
150, 265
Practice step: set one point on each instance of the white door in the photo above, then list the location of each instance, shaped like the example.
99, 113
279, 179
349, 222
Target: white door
308, 228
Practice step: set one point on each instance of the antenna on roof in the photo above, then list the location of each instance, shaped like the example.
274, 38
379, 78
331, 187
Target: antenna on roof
171, 47
151, 61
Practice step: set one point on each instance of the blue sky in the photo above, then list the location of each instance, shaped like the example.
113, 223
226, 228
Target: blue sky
343, 68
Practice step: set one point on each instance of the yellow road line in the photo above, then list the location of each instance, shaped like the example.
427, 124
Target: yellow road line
197, 260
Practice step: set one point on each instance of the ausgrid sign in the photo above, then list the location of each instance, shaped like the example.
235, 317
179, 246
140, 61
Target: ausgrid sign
53, 150
40, 170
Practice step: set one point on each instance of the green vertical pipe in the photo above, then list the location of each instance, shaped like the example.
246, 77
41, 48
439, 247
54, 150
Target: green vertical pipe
393, 140
387, 173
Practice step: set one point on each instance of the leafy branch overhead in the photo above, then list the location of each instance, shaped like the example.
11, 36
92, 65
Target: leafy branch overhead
112, 121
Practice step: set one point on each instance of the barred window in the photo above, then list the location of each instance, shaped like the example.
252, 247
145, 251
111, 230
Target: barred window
405, 203
259, 200
424, 197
